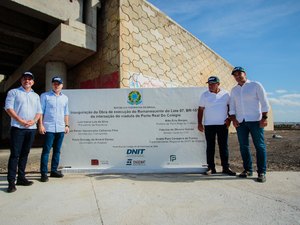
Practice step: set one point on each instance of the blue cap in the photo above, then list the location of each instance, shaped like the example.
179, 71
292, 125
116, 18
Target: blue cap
213, 80
57, 79
28, 74
238, 68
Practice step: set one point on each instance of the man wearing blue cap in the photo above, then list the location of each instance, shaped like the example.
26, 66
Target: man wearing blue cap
214, 107
54, 123
249, 113
23, 106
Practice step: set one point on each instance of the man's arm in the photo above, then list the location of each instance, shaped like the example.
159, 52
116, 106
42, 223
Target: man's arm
200, 118
67, 127
264, 122
15, 116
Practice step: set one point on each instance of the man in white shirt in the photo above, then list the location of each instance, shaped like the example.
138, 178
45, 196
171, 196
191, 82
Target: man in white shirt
214, 107
248, 111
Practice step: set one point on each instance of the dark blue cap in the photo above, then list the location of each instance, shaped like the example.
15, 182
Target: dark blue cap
28, 74
57, 79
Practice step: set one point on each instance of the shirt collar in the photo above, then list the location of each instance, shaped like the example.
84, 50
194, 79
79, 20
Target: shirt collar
53, 93
23, 89
247, 82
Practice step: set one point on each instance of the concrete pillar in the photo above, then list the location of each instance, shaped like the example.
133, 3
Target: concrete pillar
55, 69
90, 12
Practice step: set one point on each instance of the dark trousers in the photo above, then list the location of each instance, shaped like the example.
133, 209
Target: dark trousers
221, 131
20, 143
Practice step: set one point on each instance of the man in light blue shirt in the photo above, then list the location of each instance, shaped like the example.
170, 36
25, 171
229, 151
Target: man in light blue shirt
248, 110
54, 123
23, 106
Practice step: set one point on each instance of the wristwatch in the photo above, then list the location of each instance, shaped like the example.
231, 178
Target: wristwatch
265, 117
67, 126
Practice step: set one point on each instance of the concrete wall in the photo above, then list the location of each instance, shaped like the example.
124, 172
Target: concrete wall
102, 69
139, 46
157, 52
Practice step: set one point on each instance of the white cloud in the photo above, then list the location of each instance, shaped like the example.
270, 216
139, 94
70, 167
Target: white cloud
283, 102
291, 96
286, 100
281, 91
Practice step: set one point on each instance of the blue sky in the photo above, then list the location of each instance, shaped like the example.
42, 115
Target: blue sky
263, 36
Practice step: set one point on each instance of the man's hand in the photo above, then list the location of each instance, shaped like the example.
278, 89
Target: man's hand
263, 123
227, 122
235, 123
200, 127
67, 130
42, 129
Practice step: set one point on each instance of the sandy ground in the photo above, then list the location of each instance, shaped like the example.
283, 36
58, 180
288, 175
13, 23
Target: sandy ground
283, 153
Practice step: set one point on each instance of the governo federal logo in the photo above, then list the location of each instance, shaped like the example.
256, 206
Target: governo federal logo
134, 98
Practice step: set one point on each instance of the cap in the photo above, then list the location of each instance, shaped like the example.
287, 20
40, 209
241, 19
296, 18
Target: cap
28, 74
213, 80
57, 79
238, 68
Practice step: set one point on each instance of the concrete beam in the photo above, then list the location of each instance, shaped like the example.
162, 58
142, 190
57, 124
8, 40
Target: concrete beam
13, 32
49, 11
69, 43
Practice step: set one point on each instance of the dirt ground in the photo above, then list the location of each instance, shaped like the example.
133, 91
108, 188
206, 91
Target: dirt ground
283, 154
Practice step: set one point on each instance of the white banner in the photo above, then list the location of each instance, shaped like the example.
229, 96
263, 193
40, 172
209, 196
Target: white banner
134, 131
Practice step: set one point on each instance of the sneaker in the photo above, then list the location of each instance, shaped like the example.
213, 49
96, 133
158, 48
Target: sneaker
44, 178
261, 178
210, 171
229, 172
11, 188
24, 182
246, 174
56, 174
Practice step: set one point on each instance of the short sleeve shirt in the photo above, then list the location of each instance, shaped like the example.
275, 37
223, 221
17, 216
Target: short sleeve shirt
215, 107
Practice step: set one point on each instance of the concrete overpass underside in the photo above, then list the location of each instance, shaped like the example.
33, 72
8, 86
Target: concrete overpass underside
33, 33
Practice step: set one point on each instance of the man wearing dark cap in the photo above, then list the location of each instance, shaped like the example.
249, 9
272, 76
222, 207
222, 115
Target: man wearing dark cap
23, 106
248, 111
54, 123
213, 107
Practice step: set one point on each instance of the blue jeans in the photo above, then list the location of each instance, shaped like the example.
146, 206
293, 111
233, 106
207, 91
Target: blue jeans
221, 131
257, 134
20, 143
51, 140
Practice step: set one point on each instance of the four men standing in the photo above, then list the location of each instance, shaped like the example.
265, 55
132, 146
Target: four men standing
248, 108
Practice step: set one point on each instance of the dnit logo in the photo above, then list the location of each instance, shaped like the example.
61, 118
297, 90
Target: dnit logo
172, 158
132, 151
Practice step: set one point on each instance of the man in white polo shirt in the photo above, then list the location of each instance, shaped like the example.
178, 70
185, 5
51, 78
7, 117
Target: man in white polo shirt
248, 111
213, 107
